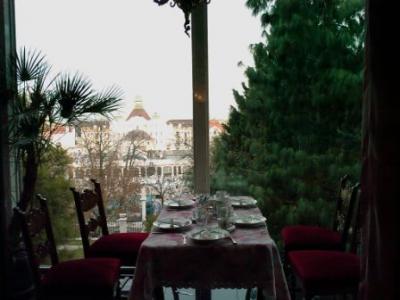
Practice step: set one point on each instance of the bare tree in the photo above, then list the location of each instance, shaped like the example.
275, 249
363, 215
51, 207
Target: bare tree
112, 161
136, 141
162, 185
100, 155
133, 148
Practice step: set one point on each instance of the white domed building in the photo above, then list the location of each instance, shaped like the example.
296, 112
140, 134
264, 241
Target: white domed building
139, 120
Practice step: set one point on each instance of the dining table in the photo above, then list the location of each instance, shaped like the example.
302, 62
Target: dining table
247, 258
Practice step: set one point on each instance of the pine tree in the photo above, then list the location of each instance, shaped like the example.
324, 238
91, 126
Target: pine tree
296, 128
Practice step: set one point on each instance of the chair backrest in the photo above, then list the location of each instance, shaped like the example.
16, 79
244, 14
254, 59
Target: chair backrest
91, 214
342, 203
38, 236
355, 227
351, 224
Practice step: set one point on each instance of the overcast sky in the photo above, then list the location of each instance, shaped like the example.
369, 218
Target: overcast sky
142, 48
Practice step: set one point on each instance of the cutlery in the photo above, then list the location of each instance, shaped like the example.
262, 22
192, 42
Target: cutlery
164, 232
233, 240
184, 239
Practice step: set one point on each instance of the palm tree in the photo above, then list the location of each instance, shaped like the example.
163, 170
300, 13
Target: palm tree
42, 105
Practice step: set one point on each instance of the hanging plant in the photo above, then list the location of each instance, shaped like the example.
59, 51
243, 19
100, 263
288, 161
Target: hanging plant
186, 6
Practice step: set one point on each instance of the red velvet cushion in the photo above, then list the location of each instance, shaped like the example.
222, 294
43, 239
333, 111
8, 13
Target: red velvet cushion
92, 277
324, 271
124, 246
302, 237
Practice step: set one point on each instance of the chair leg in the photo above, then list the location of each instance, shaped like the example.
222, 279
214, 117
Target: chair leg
117, 292
118, 297
158, 293
290, 277
248, 294
260, 294
175, 293
292, 285
203, 294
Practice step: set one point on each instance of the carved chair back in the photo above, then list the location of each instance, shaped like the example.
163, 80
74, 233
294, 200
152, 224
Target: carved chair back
355, 226
91, 213
38, 236
344, 207
342, 203
351, 220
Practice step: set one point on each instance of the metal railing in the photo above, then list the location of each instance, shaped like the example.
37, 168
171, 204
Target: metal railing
114, 227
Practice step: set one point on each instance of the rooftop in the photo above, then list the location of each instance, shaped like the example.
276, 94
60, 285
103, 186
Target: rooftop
138, 110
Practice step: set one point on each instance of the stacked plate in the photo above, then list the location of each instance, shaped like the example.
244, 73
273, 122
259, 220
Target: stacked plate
243, 201
208, 235
179, 204
172, 224
249, 221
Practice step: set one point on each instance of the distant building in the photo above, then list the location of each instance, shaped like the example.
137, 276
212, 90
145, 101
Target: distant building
183, 132
138, 111
64, 136
160, 148
216, 128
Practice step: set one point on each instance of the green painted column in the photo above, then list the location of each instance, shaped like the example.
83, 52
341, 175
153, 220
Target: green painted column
201, 154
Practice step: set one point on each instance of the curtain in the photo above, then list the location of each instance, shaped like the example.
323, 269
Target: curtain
380, 181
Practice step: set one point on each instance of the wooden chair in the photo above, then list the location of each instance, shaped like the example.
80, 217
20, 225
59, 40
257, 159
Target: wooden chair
81, 279
302, 237
330, 272
124, 246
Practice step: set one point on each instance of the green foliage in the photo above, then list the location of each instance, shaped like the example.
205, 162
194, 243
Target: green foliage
43, 104
296, 128
66, 255
148, 223
235, 184
53, 185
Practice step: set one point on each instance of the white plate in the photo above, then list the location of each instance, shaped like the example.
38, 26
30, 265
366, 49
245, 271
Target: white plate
208, 235
184, 203
250, 221
231, 228
243, 201
172, 224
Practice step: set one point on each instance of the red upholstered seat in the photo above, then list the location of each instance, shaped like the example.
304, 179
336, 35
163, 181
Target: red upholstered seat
124, 246
326, 270
81, 279
91, 278
301, 237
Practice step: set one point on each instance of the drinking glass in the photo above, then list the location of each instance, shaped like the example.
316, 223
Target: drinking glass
221, 195
203, 216
224, 214
202, 198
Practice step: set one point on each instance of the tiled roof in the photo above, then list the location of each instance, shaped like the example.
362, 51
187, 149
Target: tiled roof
217, 124
138, 112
